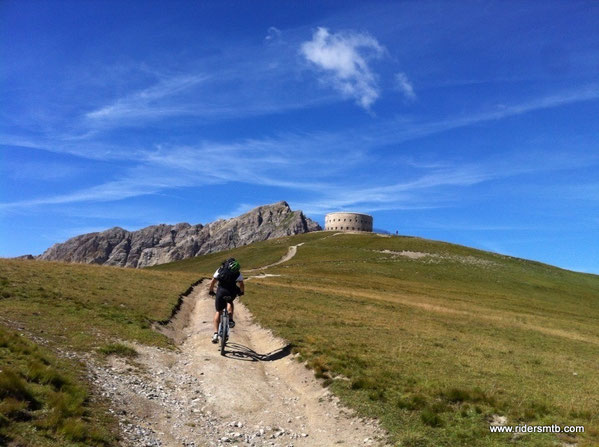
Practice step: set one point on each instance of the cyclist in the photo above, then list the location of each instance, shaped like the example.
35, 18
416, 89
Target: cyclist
230, 285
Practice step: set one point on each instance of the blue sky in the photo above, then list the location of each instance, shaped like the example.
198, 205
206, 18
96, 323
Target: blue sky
469, 122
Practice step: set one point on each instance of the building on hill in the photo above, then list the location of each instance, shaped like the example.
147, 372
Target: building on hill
343, 221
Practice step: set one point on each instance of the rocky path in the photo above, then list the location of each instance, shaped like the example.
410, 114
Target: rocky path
256, 395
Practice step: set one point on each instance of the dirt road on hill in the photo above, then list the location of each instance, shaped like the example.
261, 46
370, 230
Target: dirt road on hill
291, 252
256, 395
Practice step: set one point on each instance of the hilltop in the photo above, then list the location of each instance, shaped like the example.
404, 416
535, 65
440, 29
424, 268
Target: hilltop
159, 244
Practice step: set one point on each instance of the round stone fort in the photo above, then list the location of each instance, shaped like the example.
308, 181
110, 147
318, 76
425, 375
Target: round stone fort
347, 222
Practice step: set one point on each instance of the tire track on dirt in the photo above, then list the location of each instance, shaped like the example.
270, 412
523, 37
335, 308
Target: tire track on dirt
258, 394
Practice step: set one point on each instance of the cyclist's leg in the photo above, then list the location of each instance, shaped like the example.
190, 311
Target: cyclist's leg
231, 308
216, 321
219, 304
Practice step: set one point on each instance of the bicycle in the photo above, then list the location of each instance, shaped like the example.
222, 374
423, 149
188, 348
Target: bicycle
223, 328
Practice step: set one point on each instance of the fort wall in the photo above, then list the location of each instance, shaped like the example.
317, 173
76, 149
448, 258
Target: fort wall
343, 221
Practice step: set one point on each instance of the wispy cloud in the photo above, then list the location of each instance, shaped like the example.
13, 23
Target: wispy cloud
415, 194
273, 34
405, 130
111, 191
240, 209
404, 85
343, 59
313, 144
299, 162
275, 163
150, 102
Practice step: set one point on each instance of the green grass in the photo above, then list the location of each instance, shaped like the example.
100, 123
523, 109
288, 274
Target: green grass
433, 347
45, 401
436, 346
81, 306
118, 349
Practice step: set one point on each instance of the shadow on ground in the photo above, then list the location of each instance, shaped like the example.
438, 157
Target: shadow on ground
241, 352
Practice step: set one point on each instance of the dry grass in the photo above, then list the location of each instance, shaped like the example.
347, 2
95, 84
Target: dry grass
45, 401
433, 346
436, 350
81, 306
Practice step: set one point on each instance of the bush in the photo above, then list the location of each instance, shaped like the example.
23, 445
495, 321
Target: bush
118, 349
431, 418
456, 395
75, 430
13, 386
46, 375
14, 409
413, 403
365, 383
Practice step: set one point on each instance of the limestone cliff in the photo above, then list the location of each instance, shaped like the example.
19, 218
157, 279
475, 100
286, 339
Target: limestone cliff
159, 244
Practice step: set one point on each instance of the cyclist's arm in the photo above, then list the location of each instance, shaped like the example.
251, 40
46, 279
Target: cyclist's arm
212, 284
241, 286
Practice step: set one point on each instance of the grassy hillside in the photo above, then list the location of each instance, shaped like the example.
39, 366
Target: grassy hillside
46, 400
435, 339
251, 256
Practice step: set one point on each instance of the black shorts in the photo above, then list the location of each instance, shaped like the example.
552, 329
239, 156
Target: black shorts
223, 296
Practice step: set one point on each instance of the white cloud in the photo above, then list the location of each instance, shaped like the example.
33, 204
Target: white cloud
273, 34
300, 162
404, 85
343, 57
420, 193
150, 102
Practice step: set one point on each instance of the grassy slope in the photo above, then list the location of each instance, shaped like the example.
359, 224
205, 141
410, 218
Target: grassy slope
82, 306
436, 346
251, 256
46, 400
79, 308
431, 346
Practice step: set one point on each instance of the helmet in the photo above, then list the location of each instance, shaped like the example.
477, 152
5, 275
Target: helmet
234, 265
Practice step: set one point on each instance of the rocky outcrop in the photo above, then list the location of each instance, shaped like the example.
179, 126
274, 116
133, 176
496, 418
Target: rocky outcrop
160, 244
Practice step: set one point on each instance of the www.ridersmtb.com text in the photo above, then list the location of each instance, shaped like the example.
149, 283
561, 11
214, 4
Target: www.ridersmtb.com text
536, 428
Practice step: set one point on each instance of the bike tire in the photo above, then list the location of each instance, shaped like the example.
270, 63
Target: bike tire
223, 338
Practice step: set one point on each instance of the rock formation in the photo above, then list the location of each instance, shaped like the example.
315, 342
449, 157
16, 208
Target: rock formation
159, 244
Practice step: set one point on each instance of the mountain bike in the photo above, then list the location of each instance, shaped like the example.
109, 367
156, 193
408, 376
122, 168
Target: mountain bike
223, 328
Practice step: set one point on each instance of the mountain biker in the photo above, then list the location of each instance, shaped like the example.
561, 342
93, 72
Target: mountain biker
230, 285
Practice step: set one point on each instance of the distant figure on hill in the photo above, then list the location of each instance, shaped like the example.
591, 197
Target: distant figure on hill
230, 285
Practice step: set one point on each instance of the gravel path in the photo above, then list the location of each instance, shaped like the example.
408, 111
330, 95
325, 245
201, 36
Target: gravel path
258, 394
291, 252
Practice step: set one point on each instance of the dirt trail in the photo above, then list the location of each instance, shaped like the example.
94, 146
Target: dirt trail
291, 252
256, 395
